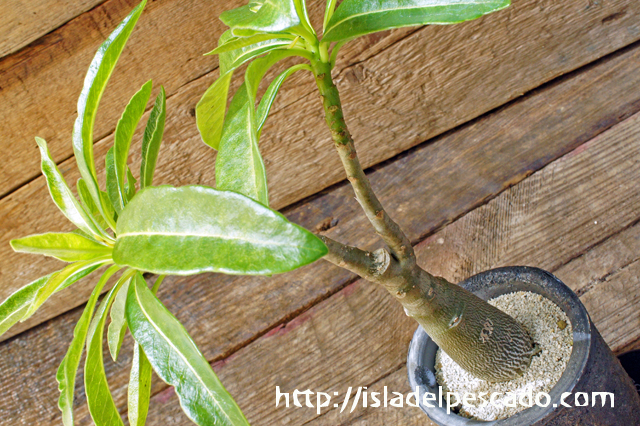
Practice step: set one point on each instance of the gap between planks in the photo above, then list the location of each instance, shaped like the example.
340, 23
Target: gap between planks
354, 334
491, 163
30, 199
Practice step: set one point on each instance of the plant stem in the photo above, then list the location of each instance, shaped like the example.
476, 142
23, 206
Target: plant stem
388, 230
479, 337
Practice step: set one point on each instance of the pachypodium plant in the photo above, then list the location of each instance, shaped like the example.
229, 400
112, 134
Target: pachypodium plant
193, 229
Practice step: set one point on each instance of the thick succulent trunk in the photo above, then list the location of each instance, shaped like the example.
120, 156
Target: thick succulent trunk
479, 337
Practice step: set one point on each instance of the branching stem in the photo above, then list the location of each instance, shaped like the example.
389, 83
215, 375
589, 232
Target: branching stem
479, 337
388, 230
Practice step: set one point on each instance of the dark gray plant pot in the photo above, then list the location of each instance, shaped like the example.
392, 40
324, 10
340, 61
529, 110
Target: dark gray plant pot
591, 368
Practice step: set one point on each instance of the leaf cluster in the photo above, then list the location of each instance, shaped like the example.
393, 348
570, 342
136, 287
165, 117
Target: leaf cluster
131, 227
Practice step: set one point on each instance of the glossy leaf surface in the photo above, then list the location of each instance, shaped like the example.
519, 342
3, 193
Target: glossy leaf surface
68, 369
210, 110
101, 406
152, 139
354, 18
64, 278
62, 195
113, 189
240, 42
239, 165
177, 360
139, 389
123, 136
193, 229
90, 205
15, 306
68, 247
95, 82
118, 325
270, 95
264, 16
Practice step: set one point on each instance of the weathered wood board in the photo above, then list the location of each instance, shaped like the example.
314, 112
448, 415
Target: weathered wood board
358, 335
483, 146
22, 22
300, 163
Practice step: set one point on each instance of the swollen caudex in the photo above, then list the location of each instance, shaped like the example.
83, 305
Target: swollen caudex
550, 329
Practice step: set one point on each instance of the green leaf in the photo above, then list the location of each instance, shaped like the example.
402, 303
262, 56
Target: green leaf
68, 369
210, 110
64, 278
139, 390
68, 247
90, 205
113, 190
354, 18
240, 42
95, 82
118, 326
215, 231
270, 95
328, 13
130, 187
63, 197
99, 400
264, 16
15, 306
177, 360
239, 165
152, 139
123, 136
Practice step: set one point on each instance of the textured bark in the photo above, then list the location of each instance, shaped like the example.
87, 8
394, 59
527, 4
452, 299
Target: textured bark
479, 337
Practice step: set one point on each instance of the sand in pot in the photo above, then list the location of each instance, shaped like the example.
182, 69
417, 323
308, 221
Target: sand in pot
550, 329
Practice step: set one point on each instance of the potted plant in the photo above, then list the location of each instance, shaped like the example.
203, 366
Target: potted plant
231, 229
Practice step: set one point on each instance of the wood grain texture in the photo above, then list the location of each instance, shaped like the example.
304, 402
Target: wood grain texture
23, 22
167, 46
358, 334
497, 151
299, 157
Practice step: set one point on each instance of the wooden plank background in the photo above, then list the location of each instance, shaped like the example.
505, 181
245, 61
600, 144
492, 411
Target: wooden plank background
512, 139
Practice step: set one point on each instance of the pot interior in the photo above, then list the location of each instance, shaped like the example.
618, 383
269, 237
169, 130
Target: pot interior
487, 285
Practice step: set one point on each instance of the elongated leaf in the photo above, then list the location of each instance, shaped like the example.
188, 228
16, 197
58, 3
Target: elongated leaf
301, 10
62, 195
152, 139
139, 390
63, 279
90, 205
210, 110
68, 247
239, 165
113, 190
66, 375
215, 230
238, 43
15, 306
95, 82
130, 186
354, 18
118, 326
270, 95
264, 16
123, 136
328, 13
176, 360
101, 406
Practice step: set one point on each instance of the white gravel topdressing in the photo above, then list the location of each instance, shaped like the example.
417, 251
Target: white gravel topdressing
550, 329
